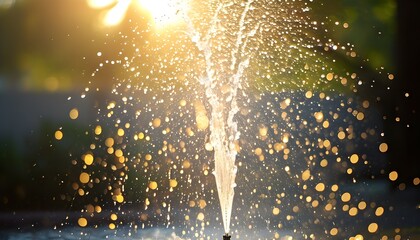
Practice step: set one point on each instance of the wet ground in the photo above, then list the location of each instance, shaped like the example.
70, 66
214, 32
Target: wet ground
402, 221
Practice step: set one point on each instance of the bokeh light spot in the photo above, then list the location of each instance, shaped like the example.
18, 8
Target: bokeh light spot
84, 177
74, 113
153, 185
88, 159
383, 147
393, 175
58, 135
82, 222
345, 197
373, 227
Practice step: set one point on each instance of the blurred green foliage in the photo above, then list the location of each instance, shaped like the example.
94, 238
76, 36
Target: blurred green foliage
47, 39
371, 28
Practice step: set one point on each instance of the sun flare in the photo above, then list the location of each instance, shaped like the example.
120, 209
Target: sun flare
164, 12
114, 15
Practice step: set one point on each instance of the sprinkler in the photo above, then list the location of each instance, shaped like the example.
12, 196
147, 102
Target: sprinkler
226, 237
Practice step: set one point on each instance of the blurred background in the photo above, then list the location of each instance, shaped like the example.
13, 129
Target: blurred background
49, 50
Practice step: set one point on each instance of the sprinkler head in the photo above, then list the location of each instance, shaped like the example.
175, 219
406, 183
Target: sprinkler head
226, 237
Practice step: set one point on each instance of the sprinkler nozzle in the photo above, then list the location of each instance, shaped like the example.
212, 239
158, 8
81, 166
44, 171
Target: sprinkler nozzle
226, 237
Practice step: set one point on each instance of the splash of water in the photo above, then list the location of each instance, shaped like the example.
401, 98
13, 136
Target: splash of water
228, 47
222, 81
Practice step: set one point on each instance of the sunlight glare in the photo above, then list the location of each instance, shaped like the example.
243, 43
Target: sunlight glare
117, 13
100, 3
164, 12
